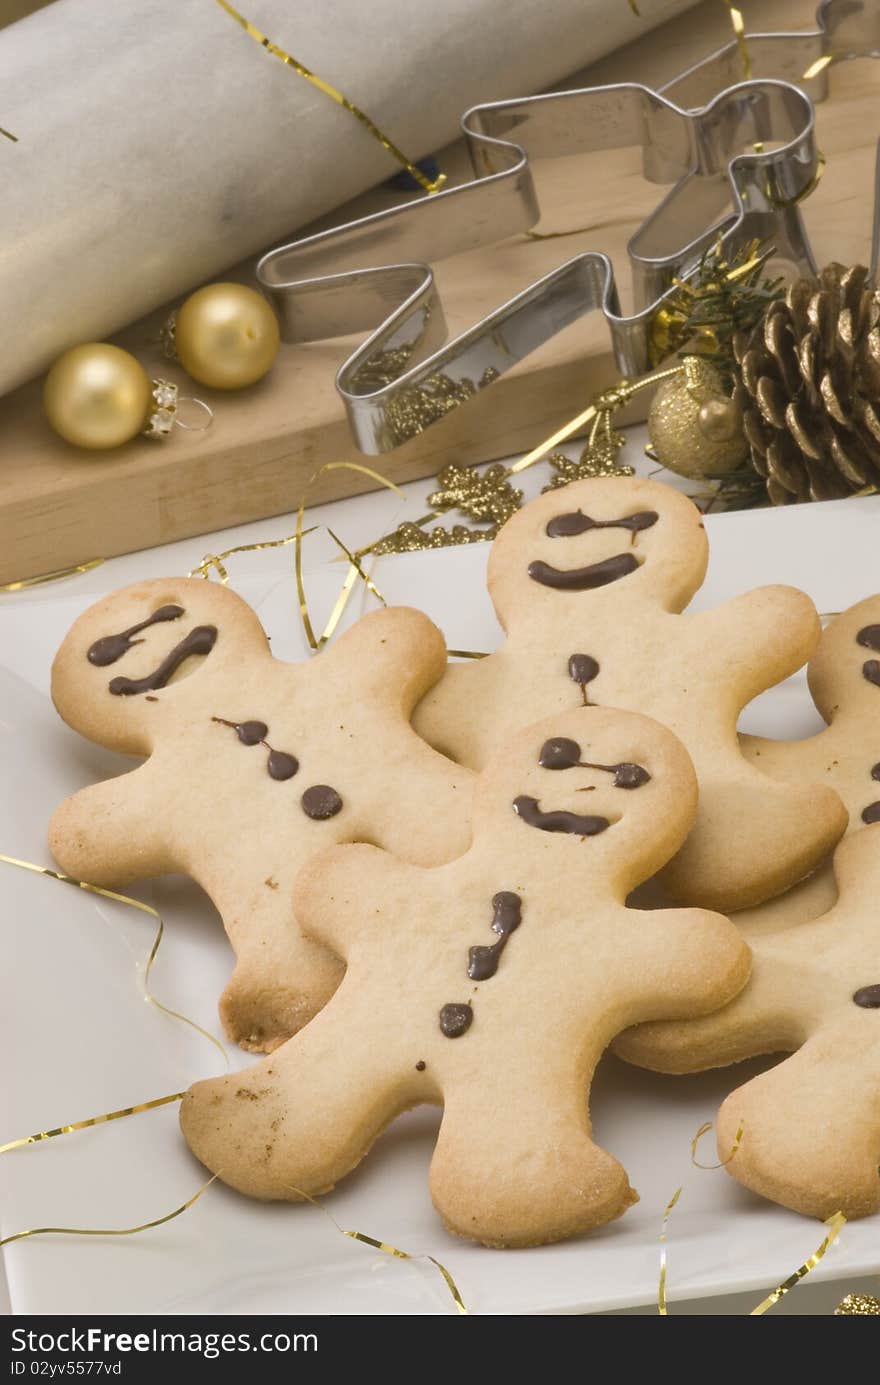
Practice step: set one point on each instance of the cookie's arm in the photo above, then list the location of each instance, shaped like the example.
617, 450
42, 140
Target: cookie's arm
111, 833
679, 964
765, 1017
811, 1126
426, 804
347, 891
396, 654
757, 639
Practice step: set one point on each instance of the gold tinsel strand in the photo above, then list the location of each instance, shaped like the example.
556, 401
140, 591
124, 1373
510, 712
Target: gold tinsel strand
337, 96
134, 904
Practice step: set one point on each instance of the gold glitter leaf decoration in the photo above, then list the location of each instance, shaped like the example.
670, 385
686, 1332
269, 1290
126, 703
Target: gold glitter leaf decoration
865, 1305
489, 498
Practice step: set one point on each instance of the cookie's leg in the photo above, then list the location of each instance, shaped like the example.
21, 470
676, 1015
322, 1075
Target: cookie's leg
302, 1118
281, 979
811, 1126
111, 833
515, 1164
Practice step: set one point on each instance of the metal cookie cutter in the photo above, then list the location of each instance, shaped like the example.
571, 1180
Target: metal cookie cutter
739, 163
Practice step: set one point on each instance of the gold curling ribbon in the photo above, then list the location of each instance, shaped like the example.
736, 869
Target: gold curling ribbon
92, 1120
353, 560
145, 909
216, 560
661, 1285
739, 31
108, 1231
317, 642
818, 66
704, 1130
835, 1225
386, 1248
55, 576
337, 96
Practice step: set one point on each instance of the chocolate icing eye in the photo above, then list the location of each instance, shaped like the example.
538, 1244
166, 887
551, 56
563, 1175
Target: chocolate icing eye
112, 647
559, 753
868, 997
569, 525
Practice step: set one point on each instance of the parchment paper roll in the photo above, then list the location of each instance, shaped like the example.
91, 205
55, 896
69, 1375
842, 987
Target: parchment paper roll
158, 144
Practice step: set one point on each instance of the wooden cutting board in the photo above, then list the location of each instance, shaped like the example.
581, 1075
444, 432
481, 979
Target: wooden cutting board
60, 506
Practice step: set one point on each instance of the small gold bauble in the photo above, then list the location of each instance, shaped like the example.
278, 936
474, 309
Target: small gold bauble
226, 336
695, 430
97, 396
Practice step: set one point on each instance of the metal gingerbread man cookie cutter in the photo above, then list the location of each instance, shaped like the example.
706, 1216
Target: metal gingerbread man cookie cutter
741, 155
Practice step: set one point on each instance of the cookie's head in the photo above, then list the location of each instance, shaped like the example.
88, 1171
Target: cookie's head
573, 547
592, 789
844, 672
149, 636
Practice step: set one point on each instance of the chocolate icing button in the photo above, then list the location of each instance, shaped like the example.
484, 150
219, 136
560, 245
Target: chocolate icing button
582, 669
112, 647
279, 764
201, 640
506, 918
321, 802
456, 1020
581, 825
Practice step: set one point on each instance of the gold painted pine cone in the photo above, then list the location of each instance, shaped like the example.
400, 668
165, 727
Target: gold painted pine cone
808, 386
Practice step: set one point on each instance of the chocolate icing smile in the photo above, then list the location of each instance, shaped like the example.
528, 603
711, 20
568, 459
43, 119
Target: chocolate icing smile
582, 579
568, 526
557, 820
112, 647
201, 640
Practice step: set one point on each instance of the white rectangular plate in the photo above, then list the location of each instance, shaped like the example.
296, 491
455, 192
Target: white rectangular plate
78, 1039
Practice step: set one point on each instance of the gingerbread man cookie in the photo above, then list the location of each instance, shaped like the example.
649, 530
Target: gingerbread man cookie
253, 765
844, 678
490, 985
811, 1125
588, 583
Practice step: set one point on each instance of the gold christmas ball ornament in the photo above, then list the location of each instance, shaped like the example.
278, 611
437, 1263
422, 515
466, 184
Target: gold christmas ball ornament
695, 429
97, 396
226, 336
